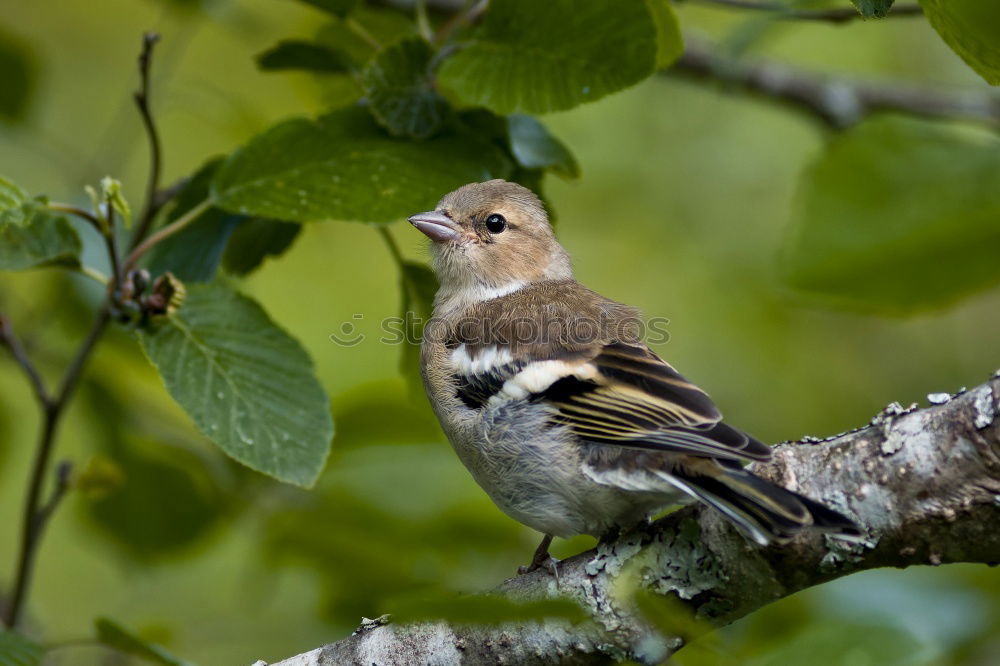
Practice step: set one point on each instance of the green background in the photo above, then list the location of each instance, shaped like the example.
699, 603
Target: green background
681, 209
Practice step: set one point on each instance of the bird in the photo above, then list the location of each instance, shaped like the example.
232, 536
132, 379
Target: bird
553, 402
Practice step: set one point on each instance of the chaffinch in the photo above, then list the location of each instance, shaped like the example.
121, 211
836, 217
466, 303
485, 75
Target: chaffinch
568, 421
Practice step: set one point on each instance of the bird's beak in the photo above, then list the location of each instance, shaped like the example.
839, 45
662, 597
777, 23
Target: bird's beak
438, 226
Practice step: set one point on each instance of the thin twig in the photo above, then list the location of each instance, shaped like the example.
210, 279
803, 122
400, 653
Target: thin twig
152, 205
836, 102
8, 338
164, 233
166, 194
468, 16
363, 33
35, 514
112, 246
838, 15
64, 472
94, 221
106, 229
93, 274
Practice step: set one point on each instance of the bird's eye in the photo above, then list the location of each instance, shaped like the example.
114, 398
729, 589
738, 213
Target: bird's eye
496, 223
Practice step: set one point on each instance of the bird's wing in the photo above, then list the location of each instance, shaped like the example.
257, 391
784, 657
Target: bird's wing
615, 393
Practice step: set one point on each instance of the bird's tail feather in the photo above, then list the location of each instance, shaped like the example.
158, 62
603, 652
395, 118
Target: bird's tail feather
764, 511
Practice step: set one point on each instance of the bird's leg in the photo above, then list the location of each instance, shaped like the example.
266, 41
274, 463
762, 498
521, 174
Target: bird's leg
610, 536
541, 558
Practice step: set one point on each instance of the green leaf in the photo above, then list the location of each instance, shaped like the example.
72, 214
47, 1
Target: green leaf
823, 643
256, 239
115, 636
111, 191
17, 74
418, 285
339, 8
342, 166
32, 236
16, 650
898, 214
669, 42
193, 254
247, 385
12, 200
400, 91
972, 29
873, 8
296, 54
538, 57
534, 148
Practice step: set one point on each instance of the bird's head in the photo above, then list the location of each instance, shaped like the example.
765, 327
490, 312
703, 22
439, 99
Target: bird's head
492, 237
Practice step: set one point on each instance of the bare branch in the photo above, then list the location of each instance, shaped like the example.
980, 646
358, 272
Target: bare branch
153, 202
924, 483
835, 102
9, 339
35, 513
838, 15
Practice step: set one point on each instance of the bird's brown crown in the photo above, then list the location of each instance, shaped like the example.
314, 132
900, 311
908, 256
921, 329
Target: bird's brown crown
504, 238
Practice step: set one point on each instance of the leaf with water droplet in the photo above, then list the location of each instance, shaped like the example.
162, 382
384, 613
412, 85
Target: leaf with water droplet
221, 338
310, 156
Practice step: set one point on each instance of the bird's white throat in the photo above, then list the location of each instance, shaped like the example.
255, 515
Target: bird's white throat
470, 294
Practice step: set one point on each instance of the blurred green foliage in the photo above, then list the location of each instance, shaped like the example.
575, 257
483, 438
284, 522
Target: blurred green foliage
686, 197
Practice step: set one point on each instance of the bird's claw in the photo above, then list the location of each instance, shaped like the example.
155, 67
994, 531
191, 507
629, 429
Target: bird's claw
550, 563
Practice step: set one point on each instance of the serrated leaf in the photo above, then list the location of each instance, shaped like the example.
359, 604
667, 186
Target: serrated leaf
17, 74
418, 285
115, 636
538, 57
873, 8
247, 385
297, 54
16, 650
32, 236
669, 41
339, 8
400, 91
342, 166
256, 239
972, 29
534, 148
897, 215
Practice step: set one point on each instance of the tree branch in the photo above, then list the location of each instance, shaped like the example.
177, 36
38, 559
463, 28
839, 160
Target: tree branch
924, 483
35, 513
836, 102
838, 15
9, 339
152, 202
